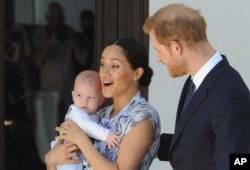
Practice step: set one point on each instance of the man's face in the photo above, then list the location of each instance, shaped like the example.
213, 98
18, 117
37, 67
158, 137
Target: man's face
170, 57
54, 20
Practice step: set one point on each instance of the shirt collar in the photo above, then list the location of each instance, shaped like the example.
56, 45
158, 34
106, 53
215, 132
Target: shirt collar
206, 68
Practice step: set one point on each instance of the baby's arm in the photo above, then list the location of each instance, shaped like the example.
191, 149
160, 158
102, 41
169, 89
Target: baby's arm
113, 139
89, 124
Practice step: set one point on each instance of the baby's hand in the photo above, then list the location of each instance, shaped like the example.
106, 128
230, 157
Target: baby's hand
113, 140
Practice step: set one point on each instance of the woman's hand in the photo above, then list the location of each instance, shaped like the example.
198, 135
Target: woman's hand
61, 153
71, 132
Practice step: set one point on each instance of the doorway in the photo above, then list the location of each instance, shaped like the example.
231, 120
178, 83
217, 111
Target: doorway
124, 19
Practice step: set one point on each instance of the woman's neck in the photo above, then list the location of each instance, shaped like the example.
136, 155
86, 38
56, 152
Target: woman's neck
122, 101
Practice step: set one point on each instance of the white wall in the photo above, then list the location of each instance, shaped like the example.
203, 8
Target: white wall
228, 30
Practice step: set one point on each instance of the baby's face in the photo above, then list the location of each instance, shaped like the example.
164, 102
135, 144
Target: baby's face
87, 98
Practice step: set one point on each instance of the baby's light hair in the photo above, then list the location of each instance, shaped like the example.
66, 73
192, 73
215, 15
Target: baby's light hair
88, 76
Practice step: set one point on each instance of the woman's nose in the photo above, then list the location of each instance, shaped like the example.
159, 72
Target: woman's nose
105, 70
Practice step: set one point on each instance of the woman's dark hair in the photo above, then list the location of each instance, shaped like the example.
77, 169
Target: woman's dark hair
137, 56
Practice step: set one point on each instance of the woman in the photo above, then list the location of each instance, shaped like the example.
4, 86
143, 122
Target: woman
124, 68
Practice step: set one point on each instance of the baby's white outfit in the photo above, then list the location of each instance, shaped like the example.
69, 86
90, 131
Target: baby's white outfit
89, 124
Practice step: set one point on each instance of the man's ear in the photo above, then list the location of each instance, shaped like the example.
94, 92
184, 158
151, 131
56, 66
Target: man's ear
176, 46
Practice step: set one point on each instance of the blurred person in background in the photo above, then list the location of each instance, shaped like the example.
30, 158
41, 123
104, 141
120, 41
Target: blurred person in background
53, 44
84, 46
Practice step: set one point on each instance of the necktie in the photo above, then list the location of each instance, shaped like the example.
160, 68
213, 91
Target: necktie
190, 93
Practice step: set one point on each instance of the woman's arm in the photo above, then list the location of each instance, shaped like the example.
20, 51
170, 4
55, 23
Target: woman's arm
131, 151
135, 144
61, 154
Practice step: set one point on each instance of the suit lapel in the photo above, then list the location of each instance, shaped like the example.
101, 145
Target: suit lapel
197, 99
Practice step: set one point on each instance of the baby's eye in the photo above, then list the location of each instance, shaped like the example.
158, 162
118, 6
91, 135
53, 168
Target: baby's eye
91, 98
102, 65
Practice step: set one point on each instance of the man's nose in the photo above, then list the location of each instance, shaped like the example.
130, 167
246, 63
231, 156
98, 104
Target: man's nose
158, 59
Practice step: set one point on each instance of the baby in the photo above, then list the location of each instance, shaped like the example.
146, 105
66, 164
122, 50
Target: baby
87, 97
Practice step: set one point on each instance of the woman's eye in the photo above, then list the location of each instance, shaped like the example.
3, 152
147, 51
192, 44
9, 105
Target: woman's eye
115, 66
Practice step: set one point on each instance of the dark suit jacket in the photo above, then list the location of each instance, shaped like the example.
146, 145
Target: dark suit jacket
215, 123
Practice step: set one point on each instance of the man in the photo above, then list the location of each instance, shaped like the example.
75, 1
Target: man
215, 122
53, 51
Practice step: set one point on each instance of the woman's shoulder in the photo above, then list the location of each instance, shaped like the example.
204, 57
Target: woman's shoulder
139, 103
141, 109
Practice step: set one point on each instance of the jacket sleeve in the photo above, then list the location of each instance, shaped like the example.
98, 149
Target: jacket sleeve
165, 141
